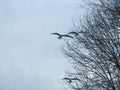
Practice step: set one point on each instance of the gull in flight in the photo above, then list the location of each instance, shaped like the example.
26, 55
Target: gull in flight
71, 79
60, 36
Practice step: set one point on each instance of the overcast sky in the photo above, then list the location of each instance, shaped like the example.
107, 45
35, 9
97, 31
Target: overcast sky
30, 58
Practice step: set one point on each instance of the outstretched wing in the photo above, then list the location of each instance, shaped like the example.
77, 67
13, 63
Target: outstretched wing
67, 36
75, 79
73, 32
56, 34
66, 78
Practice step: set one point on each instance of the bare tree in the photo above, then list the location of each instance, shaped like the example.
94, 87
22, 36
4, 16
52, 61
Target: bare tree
94, 49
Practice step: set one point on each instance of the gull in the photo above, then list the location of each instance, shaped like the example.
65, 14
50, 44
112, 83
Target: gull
61, 36
71, 79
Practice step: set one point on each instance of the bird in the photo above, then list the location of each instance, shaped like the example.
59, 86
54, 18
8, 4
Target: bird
73, 32
70, 79
60, 36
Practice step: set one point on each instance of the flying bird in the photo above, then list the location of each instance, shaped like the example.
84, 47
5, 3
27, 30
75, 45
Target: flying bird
61, 36
71, 79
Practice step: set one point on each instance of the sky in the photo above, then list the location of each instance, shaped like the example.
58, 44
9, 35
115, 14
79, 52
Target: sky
30, 58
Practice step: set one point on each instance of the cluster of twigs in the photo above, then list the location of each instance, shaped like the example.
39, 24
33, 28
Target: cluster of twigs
95, 54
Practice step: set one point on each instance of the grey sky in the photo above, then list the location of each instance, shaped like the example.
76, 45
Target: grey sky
30, 58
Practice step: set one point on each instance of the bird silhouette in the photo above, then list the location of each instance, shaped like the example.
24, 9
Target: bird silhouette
71, 79
60, 36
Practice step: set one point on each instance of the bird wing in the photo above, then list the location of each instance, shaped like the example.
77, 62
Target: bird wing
66, 78
72, 32
67, 36
75, 33
56, 34
75, 79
